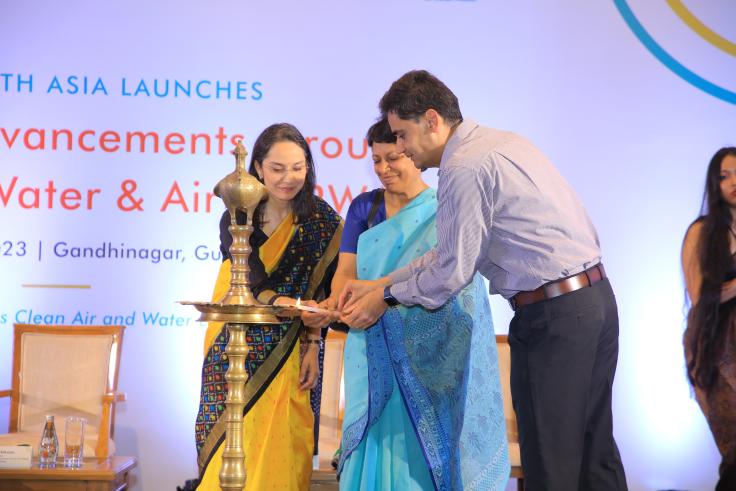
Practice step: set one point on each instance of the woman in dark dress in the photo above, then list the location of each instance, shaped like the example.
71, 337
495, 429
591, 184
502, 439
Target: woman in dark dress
709, 264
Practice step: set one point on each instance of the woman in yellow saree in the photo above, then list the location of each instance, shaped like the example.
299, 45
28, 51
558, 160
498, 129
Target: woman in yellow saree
295, 243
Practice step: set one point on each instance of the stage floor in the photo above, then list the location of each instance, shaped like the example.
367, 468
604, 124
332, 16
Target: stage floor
323, 481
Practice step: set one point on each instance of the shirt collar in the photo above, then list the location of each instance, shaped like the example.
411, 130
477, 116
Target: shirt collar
462, 131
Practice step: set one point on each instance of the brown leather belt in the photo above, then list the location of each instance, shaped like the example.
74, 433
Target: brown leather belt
554, 289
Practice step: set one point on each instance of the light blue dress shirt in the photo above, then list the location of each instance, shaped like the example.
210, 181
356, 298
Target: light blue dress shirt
504, 211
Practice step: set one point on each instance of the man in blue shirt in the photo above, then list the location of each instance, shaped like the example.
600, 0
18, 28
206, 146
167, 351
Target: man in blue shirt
506, 212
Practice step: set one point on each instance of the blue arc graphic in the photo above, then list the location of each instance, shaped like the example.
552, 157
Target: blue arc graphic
668, 60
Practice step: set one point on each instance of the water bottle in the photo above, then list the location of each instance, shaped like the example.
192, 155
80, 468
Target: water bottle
48, 449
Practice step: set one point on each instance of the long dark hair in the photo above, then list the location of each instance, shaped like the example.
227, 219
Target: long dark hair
303, 203
714, 261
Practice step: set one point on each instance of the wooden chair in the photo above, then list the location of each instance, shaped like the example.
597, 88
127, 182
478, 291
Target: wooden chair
512, 432
64, 371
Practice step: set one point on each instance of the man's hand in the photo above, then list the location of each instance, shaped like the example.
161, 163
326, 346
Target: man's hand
363, 312
354, 290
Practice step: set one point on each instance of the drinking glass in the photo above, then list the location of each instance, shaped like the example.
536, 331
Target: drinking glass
74, 441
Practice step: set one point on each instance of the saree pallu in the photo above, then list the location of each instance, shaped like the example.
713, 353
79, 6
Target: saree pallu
424, 407
278, 418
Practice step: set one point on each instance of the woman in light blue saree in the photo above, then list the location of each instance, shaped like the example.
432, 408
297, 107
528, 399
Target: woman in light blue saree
424, 406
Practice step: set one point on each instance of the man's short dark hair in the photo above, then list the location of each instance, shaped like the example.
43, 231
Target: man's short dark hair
417, 91
380, 132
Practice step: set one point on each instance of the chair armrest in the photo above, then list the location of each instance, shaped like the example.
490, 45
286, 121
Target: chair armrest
104, 433
112, 397
6, 393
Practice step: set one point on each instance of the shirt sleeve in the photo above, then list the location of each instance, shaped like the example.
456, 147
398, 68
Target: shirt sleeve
464, 218
356, 222
413, 267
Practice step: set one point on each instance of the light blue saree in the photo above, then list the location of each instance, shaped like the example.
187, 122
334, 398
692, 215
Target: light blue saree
423, 408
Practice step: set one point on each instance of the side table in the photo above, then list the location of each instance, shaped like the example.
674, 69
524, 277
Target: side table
110, 474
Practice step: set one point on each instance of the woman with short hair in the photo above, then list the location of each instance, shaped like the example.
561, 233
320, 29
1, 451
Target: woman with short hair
423, 403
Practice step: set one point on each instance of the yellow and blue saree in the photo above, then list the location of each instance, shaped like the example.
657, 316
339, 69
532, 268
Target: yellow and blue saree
279, 417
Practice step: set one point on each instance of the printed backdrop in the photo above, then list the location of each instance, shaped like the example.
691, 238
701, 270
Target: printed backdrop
117, 119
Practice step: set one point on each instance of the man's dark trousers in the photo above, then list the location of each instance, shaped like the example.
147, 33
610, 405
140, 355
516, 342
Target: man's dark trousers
563, 359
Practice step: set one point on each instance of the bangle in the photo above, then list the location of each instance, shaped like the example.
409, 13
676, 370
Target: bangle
265, 296
273, 298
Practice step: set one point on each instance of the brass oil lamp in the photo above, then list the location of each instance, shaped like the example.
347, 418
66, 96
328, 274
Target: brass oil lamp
238, 309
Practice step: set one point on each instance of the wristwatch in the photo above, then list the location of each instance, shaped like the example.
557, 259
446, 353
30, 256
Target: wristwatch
388, 298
